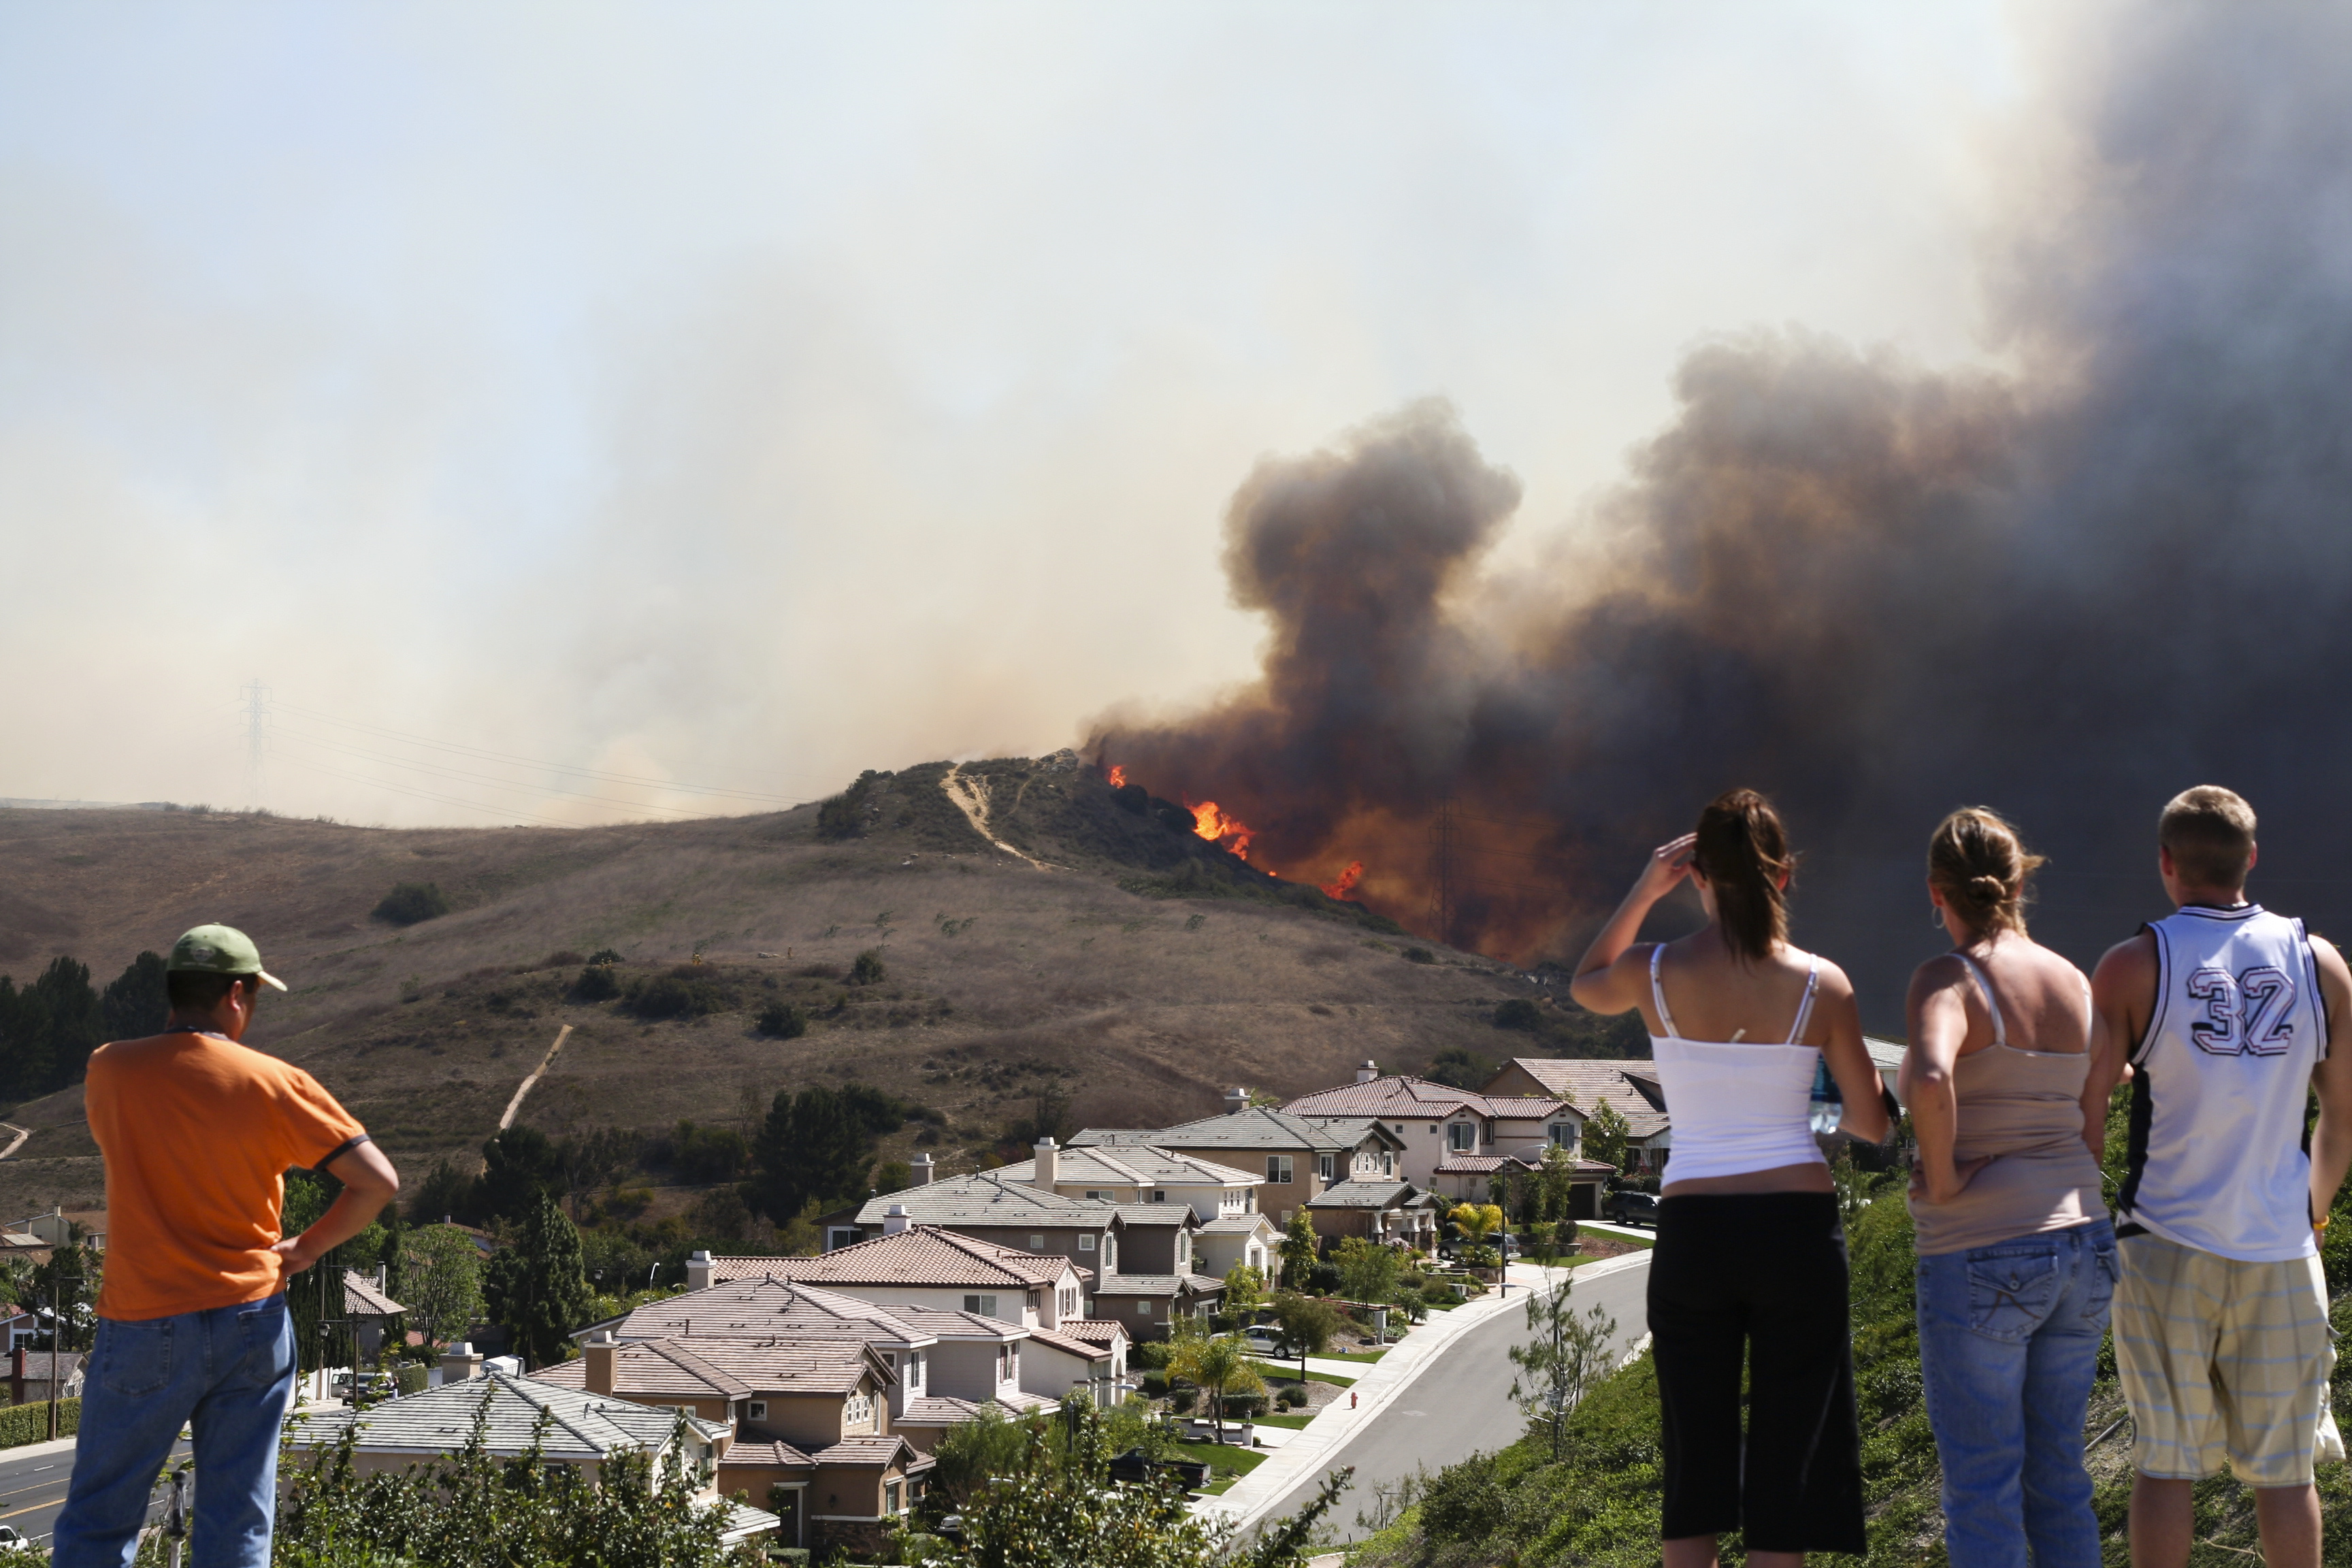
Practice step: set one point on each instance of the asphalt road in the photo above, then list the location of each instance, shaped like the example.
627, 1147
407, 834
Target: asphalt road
33, 1491
1460, 1404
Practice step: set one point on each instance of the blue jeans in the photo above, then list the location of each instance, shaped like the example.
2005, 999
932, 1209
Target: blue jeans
2009, 1342
229, 1372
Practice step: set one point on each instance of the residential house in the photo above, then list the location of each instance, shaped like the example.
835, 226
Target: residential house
810, 1414
1137, 1173
23, 1325
568, 1426
1249, 1238
988, 1207
1437, 1121
1378, 1211
1300, 1157
929, 1265
1628, 1086
36, 1374
1470, 1178
371, 1316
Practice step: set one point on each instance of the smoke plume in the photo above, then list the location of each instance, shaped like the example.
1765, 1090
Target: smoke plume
1875, 591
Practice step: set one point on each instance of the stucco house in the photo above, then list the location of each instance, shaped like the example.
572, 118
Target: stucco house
1137, 1173
1025, 1215
1378, 1211
1628, 1086
1249, 1238
1299, 1156
929, 1265
1437, 1122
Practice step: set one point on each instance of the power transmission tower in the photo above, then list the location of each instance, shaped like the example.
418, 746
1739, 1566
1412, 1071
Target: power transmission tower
256, 717
1441, 907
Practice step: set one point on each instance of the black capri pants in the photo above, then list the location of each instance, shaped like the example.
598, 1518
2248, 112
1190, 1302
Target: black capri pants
1759, 1277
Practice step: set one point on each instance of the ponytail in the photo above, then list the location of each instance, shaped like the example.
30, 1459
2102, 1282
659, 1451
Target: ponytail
1977, 861
1743, 853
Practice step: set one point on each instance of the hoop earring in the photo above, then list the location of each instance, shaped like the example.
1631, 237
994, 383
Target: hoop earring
1935, 917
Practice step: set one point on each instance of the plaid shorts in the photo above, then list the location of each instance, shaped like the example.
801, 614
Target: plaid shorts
2224, 1362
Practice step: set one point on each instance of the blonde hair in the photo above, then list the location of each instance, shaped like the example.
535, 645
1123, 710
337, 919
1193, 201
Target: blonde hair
1981, 866
2211, 832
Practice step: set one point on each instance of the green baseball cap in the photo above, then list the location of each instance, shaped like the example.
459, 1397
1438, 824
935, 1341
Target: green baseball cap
218, 949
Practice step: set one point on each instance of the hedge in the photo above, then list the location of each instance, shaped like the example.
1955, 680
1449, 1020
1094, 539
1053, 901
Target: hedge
22, 1424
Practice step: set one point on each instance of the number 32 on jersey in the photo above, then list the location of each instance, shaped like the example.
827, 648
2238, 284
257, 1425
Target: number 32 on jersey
2248, 1014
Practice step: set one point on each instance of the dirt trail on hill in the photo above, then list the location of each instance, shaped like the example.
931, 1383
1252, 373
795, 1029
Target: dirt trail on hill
971, 797
541, 1071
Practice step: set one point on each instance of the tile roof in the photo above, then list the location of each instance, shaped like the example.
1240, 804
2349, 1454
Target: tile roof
767, 1451
987, 1198
1628, 1087
1070, 1344
864, 1451
1129, 1165
1239, 1224
581, 1426
36, 1364
1256, 1128
733, 1368
920, 1255
941, 1410
362, 1299
760, 1308
653, 1369
1160, 1285
1402, 1095
1096, 1331
744, 1521
1365, 1195
1487, 1164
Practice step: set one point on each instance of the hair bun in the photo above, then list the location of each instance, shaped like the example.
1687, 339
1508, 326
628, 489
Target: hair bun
1988, 888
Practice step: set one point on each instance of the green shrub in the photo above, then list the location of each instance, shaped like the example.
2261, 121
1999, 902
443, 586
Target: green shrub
1155, 1384
1518, 1013
1419, 955
411, 1377
1181, 1400
668, 996
596, 983
783, 1020
844, 816
867, 970
1152, 1354
604, 955
22, 1424
409, 902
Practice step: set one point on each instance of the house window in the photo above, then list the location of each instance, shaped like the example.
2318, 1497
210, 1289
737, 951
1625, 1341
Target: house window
1110, 1255
1143, 1307
1562, 1134
1388, 1165
1323, 1167
857, 1411
1277, 1168
984, 1305
1035, 1298
914, 1372
841, 1236
1184, 1248
1158, 1194
1086, 1244
891, 1491
1461, 1136
1099, 1194
1036, 1241
756, 1410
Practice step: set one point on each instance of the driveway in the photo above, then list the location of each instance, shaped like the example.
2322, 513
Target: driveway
1456, 1403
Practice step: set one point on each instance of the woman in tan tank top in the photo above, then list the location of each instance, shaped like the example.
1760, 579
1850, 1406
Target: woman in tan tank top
2017, 1260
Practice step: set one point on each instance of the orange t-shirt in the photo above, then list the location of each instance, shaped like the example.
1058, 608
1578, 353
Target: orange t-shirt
197, 1134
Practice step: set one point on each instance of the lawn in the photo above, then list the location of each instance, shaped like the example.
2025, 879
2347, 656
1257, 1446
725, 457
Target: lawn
1290, 1375
1227, 1464
1295, 1423
1365, 1356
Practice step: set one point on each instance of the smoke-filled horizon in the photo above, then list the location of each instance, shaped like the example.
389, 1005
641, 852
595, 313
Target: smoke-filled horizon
1874, 591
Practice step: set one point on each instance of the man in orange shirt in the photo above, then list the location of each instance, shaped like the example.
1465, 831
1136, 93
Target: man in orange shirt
198, 1131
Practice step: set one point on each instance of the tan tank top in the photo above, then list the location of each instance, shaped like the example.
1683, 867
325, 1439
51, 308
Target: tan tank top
2024, 1111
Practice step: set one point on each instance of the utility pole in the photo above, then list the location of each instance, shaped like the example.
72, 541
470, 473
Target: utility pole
1441, 907
257, 716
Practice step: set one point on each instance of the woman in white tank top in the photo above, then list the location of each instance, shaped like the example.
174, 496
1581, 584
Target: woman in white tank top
1750, 1266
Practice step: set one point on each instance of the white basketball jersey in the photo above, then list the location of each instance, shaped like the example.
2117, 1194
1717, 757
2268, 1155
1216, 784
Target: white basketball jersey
2219, 1087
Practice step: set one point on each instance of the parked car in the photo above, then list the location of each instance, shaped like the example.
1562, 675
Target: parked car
1263, 1341
1627, 1207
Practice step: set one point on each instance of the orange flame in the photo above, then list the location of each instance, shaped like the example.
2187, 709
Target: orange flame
1347, 882
1118, 778
1218, 828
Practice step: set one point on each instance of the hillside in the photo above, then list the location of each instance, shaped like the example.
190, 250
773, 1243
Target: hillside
1096, 948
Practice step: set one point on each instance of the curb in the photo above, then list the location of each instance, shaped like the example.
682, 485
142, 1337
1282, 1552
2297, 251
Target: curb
1307, 1454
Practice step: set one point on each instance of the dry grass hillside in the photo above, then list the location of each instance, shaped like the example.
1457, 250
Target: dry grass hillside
1090, 948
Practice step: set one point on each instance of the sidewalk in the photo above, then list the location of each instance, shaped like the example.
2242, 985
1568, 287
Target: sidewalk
1308, 1452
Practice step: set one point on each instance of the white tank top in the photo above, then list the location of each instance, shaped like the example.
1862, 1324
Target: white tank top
1735, 1107
2218, 1087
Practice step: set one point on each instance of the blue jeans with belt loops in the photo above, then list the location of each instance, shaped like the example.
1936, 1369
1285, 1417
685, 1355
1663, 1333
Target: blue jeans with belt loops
228, 1372
2008, 1344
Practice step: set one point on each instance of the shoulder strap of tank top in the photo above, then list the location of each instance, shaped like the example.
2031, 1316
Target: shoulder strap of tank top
1658, 992
2000, 1035
1805, 1007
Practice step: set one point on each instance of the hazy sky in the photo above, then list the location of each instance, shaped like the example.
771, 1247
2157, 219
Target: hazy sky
748, 394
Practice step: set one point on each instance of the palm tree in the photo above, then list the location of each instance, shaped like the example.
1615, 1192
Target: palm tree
1215, 1366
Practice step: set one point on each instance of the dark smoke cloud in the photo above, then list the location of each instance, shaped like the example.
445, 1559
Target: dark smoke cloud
1872, 590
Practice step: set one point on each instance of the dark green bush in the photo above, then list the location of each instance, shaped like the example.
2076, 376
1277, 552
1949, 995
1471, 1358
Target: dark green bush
596, 983
1133, 798
668, 996
603, 955
409, 902
784, 1020
1518, 1013
22, 1424
844, 816
1152, 1354
1419, 955
1181, 1400
867, 970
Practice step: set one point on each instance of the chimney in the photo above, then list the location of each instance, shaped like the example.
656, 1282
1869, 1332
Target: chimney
922, 1169
1237, 1099
894, 1219
1366, 1073
602, 1352
698, 1270
1049, 1165
460, 1362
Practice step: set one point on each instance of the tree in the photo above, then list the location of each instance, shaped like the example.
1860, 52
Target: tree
538, 1289
443, 1282
814, 1148
47, 1030
519, 1165
1216, 1366
588, 1160
1567, 1357
410, 902
867, 968
68, 1283
1306, 1325
1299, 1250
1245, 1289
1556, 1184
1461, 1069
1476, 1222
1606, 1135
134, 1005
1368, 1271
447, 1192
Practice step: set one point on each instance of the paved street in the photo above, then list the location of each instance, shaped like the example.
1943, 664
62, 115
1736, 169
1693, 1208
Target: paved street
1460, 1404
33, 1487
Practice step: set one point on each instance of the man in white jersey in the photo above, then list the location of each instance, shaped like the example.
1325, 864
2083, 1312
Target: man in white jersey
2224, 1011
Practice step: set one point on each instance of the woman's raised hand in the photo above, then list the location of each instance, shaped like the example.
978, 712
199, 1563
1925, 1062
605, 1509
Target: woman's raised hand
1669, 863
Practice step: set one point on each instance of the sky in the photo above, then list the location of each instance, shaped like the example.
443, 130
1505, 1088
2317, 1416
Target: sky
568, 413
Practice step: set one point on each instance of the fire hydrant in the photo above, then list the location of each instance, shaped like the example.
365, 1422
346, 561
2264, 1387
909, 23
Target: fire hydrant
1352, 1399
